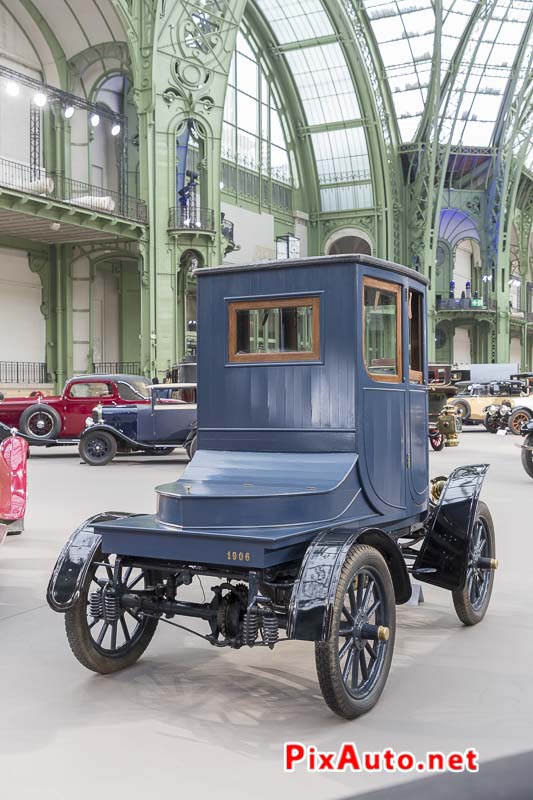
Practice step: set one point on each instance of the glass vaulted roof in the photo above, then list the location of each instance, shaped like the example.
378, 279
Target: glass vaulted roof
323, 79
487, 45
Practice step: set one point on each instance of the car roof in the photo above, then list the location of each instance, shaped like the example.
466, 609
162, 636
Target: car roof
110, 377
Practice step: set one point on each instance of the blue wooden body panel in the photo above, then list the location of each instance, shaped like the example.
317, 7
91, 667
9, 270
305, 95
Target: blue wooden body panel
286, 450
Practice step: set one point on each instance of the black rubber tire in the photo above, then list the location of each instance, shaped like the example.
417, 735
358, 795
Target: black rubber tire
463, 407
40, 413
439, 444
82, 645
191, 448
328, 664
105, 440
527, 455
467, 613
518, 418
490, 427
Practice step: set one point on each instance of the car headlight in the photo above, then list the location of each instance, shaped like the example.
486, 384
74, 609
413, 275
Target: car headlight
493, 409
505, 410
88, 422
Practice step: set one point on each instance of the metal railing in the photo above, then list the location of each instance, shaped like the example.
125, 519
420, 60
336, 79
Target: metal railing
194, 219
36, 181
23, 372
117, 367
227, 229
465, 304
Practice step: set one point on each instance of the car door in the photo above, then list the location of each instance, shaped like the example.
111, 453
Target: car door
417, 419
383, 392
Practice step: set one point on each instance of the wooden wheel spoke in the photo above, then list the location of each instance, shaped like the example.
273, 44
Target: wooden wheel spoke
345, 647
124, 626
102, 633
360, 588
371, 652
136, 581
364, 667
347, 614
355, 671
372, 610
348, 665
345, 629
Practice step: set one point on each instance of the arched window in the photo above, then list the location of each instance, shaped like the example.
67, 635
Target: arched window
253, 137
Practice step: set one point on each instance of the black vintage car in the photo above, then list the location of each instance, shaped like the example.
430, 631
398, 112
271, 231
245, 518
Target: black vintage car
154, 429
527, 448
308, 502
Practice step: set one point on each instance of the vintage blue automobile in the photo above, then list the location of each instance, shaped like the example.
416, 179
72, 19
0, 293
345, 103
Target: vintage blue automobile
154, 429
308, 501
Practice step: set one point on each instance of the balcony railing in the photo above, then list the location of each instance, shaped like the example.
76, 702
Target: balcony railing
37, 181
32, 372
228, 229
194, 219
464, 304
117, 368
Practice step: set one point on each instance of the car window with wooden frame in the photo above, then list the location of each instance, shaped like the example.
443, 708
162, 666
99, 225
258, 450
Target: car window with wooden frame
382, 330
274, 330
414, 316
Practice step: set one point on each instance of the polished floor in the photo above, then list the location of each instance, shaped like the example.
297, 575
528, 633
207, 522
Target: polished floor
195, 721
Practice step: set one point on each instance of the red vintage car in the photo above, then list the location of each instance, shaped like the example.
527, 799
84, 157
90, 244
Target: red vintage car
45, 418
13, 457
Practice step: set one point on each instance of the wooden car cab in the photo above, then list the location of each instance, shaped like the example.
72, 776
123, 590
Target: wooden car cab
313, 412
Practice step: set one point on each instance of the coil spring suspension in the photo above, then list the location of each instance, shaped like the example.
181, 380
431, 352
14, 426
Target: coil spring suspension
270, 629
250, 628
95, 604
111, 608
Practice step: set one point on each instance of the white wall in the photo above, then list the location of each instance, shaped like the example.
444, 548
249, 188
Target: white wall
515, 352
253, 232
461, 346
462, 268
22, 326
105, 311
15, 116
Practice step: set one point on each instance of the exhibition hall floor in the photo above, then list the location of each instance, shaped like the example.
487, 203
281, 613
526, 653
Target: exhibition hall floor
192, 719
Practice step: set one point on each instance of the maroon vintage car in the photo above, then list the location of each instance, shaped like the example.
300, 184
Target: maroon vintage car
44, 418
13, 457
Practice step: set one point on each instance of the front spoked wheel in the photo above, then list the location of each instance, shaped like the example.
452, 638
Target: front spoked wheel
471, 603
353, 663
103, 636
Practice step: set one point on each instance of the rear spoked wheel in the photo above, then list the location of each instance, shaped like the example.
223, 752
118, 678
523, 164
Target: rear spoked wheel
353, 663
471, 603
103, 636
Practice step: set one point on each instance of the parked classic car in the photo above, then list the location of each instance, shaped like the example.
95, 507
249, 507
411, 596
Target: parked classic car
306, 511
13, 485
443, 429
473, 398
527, 448
155, 429
49, 420
497, 417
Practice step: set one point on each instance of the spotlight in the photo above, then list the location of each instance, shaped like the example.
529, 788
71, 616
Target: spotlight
115, 130
39, 99
69, 112
12, 88
221, 185
95, 120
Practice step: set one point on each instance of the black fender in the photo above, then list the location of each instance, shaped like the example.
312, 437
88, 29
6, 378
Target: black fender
74, 561
313, 595
443, 557
102, 426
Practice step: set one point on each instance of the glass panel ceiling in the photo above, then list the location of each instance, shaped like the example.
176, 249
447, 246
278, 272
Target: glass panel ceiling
404, 30
324, 83
296, 20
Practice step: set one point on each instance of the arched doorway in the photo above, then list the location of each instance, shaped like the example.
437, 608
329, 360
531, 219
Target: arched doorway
348, 240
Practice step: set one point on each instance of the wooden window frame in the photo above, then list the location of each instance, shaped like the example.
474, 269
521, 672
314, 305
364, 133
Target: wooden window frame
415, 376
395, 289
270, 358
